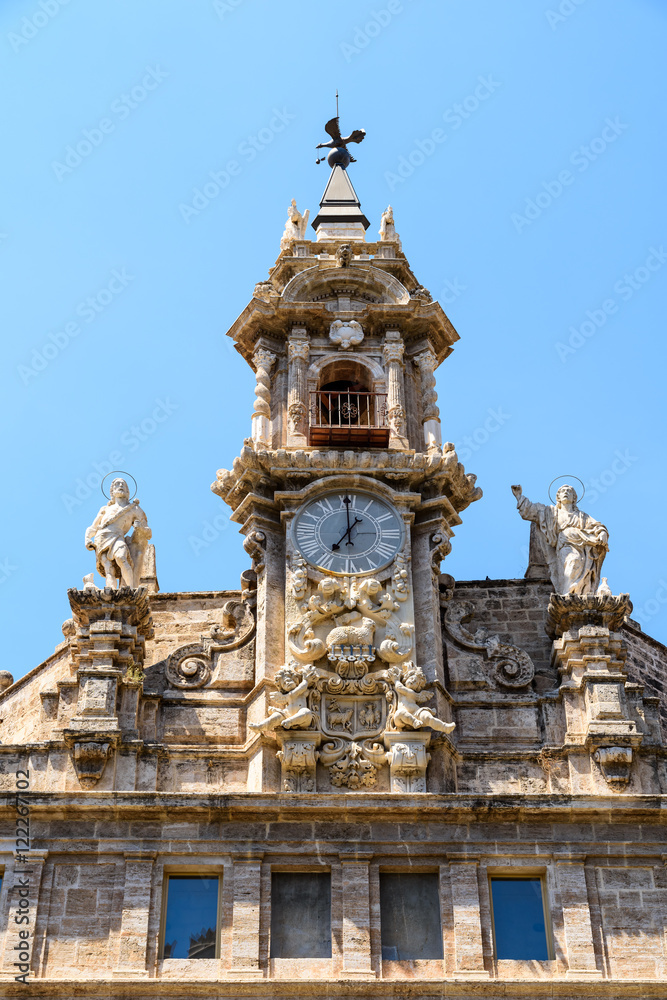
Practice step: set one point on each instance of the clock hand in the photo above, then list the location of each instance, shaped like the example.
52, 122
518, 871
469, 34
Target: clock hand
336, 545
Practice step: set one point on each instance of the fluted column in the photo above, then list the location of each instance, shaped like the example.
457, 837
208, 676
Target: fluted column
298, 349
427, 362
263, 361
393, 361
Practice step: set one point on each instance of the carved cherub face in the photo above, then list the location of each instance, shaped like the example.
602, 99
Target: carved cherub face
287, 679
328, 586
414, 679
371, 587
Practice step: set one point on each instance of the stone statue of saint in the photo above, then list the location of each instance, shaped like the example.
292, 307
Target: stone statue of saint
120, 556
387, 227
574, 543
295, 227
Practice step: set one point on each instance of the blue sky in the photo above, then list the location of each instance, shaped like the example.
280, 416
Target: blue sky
522, 146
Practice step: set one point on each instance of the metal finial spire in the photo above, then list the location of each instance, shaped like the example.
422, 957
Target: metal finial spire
339, 155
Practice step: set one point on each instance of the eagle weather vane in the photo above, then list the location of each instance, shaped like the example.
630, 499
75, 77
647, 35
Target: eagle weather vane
339, 155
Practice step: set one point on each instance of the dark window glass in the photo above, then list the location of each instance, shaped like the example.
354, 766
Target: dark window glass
518, 918
191, 921
300, 915
410, 917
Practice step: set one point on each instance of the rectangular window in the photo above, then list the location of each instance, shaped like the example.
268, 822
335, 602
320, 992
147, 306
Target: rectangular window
300, 915
191, 917
519, 919
410, 917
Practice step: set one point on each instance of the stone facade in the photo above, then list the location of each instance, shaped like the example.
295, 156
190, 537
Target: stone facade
349, 710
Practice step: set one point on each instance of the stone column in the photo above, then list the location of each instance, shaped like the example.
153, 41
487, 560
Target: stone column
298, 349
427, 362
134, 916
356, 918
430, 544
263, 361
468, 951
24, 880
392, 355
245, 919
576, 918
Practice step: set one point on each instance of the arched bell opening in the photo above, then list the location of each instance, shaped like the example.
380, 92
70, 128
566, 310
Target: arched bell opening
346, 406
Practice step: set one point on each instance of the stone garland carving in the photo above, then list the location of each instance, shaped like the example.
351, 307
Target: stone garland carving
298, 577
440, 547
255, 544
347, 702
513, 668
346, 333
401, 577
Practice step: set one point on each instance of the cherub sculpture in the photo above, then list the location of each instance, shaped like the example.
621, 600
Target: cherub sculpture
291, 711
411, 694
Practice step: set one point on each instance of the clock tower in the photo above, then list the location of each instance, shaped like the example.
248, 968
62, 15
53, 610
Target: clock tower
348, 500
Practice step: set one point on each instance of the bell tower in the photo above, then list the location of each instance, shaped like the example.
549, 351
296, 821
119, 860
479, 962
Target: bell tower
348, 500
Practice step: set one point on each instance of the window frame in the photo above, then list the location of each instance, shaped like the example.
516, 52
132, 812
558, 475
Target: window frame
524, 876
424, 869
296, 869
184, 872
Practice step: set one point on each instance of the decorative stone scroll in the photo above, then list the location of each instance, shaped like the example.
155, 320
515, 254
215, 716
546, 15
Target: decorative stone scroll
351, 682
190, 667
513, 668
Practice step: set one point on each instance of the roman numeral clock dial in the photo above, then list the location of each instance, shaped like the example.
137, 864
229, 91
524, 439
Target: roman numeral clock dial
350, 532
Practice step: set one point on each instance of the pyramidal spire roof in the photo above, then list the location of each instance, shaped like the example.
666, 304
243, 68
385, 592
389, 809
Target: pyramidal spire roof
340, 204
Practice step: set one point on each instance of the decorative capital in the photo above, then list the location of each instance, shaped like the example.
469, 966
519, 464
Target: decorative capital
263, 358
426, 360
298, 350
570, 612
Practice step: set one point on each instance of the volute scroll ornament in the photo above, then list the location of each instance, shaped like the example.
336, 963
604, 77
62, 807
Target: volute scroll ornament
189, 667
237, 628
513, 667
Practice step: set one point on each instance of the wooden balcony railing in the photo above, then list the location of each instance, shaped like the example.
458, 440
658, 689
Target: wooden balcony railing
358, 418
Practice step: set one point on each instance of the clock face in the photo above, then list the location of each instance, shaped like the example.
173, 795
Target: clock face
348, 532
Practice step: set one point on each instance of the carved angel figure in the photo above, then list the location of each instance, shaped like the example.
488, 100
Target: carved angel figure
411, 695
120, 556
291, 711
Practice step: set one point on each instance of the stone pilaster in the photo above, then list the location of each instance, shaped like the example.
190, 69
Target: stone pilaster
263, 360
392, 355
298, 349
468, 950
135, 915
427, 362
590, 657
107, 650
576, 918
246, 918
356, 918
24, 880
